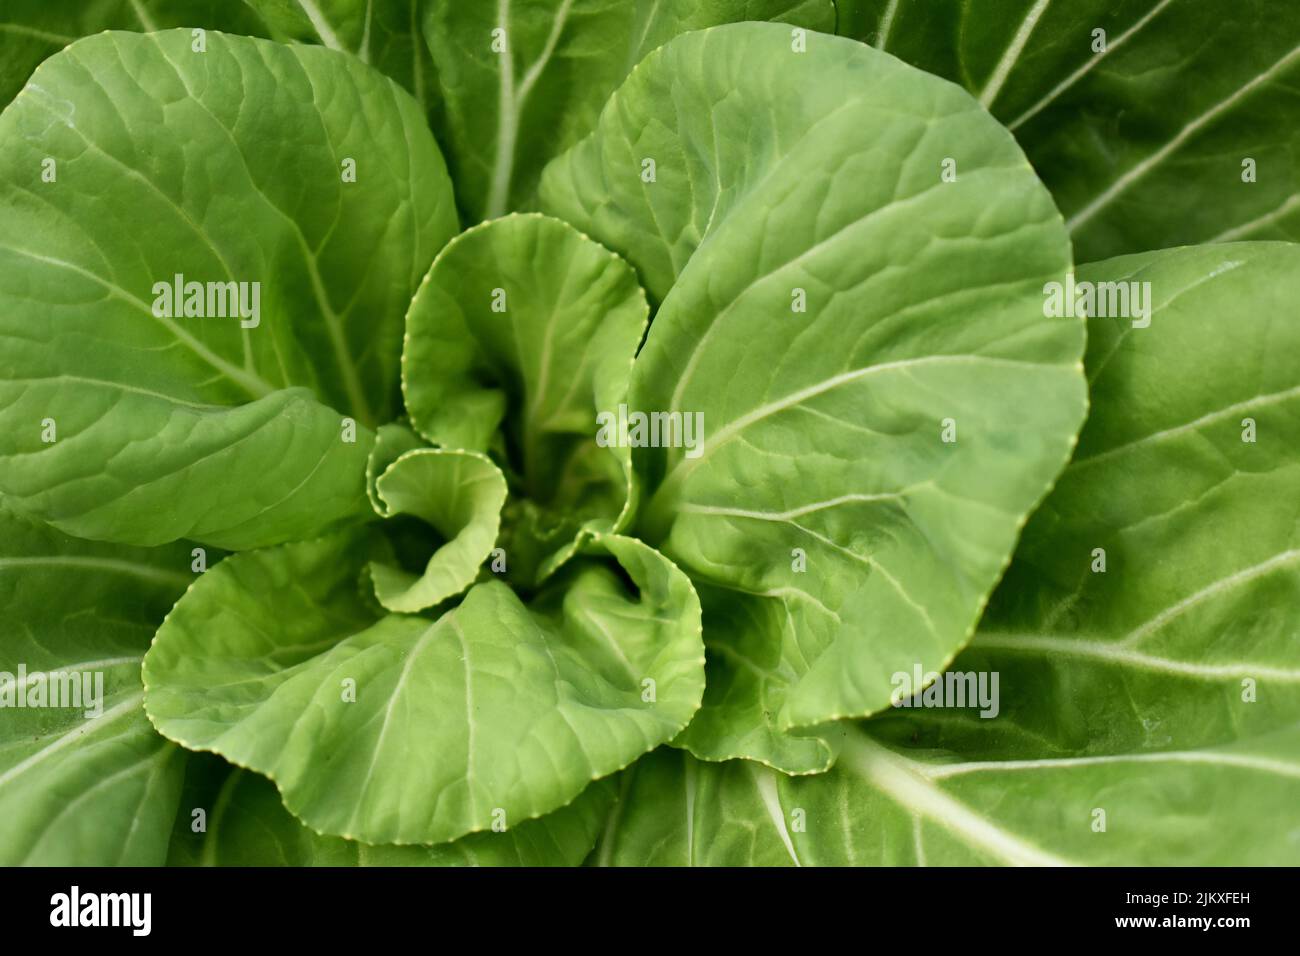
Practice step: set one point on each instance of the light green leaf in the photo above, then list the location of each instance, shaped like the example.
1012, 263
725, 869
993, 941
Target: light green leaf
392, 441
77, 790
1163, 690
512, 100
459, 495
194, 427
749, 673
494, 708
824, 491
524, 326
1197, 528
246, 825
1142, 132
31, 30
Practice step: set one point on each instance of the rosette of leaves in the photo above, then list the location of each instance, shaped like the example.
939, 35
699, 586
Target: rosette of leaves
395, 689
455, 610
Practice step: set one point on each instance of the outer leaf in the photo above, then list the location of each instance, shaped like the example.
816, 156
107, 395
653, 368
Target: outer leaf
459, 495
527, 325
248, 826
885, 807
174, 427
31, 30
1200, 529
1164, 690
823, 428
79, 791
1143, 142
505, 113
494, 706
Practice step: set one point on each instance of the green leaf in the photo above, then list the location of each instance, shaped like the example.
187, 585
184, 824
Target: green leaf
1163, 690
1142, 141
31, 30
495, 707
459, 495
525, 325
171, 427
750, 670
884, 807
80, 790
383, 33
246, 825
510, 101
1198, 528
824, 495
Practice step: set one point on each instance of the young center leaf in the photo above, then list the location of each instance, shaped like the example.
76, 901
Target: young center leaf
245, 824
404, 729
457, 495
1153, 123
201, 331
521, 337
852, 308
84, 779
1144, 636
522, 80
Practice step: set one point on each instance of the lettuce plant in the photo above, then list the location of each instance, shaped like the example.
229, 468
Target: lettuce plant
601, 530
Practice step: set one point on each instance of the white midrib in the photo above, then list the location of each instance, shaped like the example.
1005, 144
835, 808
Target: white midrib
128, 705
320, 24
886, 24
1250, 404
411, 657
1246, 228
470, 728
1145, 166
799, 511
251, 383
684, 466
905, 782
333, 323
76, 666
363, 49
838, 235
1106, 651
510, 103
1216, 587
112, 565
142, 15
1087, 67
1215, 758
1012, 54
53, 38
765, 781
